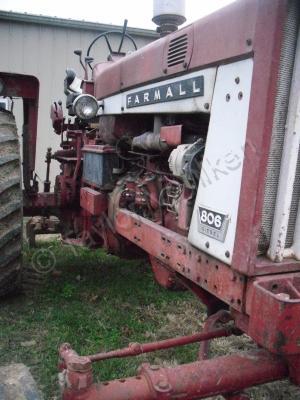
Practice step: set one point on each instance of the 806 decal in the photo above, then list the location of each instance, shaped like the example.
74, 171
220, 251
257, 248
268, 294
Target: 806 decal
213, 224
210, 218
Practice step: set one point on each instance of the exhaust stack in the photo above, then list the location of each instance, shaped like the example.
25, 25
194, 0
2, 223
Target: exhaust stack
168, 15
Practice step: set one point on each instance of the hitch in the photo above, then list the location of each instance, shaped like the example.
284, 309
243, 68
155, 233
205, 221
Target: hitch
196, 380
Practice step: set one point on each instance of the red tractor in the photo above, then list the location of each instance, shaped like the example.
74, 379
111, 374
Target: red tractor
187, 151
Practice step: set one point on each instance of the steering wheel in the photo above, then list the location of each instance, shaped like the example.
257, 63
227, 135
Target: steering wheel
105, 35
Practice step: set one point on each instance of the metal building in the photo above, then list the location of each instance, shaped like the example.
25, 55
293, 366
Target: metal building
43, 47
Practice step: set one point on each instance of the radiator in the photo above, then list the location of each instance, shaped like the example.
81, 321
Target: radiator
279, 207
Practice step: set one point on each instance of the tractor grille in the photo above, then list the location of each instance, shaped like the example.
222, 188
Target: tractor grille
294, 207
279, 121
177, 50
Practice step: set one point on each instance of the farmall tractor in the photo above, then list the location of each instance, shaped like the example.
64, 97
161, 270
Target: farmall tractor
186, 150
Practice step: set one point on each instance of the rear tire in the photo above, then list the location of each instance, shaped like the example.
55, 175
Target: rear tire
11, 215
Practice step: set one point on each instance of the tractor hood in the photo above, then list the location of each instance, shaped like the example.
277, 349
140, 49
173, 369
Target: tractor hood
180, 51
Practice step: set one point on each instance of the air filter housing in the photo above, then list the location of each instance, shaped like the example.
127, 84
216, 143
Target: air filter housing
168, 15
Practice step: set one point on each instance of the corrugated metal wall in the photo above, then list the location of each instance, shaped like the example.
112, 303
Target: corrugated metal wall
46, 51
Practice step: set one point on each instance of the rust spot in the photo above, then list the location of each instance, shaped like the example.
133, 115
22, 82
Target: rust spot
280, 341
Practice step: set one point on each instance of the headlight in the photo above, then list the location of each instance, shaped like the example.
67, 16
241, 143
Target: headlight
85, 106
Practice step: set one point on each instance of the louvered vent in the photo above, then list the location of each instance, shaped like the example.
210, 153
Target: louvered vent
177, 50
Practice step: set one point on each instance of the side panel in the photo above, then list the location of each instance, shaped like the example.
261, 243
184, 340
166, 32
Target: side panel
188, 93
213, 226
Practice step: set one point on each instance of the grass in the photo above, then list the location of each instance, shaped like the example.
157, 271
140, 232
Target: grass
98, 303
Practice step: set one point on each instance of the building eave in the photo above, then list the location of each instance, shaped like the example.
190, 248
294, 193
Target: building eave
71, 23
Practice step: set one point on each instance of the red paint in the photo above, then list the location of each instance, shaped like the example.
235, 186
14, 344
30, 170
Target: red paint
27, 87
187, 33
267, 41
274, 308
41, 201
135, 349
267, 307
92, 201
257, 31
219, 36
175, 251
163, 275
221, 316
17, 85
171, 134
57, 117
199, 380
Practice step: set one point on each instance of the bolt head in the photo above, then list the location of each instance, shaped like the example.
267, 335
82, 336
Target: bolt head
163, 385
154, 367
79, 364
